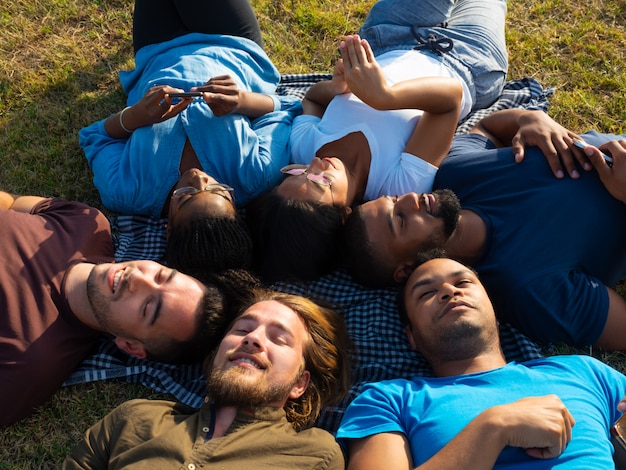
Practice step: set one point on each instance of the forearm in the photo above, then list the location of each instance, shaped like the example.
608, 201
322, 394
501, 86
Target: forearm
318, 97
254, 104
477, 446
500, 127
6, 200
18, 203
435, 95
121, 125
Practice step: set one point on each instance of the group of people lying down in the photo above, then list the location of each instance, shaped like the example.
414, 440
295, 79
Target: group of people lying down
471, 244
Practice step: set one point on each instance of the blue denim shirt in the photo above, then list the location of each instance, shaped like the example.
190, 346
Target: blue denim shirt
135, 175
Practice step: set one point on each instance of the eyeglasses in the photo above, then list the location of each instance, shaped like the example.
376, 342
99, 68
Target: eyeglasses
212, 188
297, 169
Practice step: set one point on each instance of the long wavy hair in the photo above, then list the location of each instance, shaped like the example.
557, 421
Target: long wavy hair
328, 352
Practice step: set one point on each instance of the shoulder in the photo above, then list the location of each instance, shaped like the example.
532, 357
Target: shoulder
151, 410
576, 364
323, 444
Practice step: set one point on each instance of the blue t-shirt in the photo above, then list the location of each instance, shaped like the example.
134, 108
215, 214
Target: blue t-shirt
135, 175
552, 245
431, 411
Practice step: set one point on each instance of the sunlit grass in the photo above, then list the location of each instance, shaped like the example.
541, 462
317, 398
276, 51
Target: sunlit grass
58, 72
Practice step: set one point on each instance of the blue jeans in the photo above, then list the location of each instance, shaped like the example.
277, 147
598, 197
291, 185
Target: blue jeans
476, 28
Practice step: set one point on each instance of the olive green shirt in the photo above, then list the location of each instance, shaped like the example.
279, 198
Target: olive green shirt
156, 434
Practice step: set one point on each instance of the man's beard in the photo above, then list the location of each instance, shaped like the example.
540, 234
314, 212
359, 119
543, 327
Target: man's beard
100, 306
461, 341
235, 387
448, 210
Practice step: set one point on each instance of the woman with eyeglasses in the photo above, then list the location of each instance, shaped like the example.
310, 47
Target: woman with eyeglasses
187, 156
382, 125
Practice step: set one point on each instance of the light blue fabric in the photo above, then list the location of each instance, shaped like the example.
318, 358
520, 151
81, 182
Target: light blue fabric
476, 28
552, 245
135, 175
431, 411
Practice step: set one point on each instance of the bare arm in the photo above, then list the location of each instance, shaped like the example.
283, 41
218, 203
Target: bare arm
541, 425
18, 203
613, 337
155, 106
320, 94
438, 97
520, 128
224, 97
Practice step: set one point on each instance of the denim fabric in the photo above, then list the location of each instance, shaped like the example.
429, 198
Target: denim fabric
476, 28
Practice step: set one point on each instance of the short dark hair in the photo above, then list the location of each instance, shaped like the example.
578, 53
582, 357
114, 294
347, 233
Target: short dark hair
421, 258
364, 265
209, 244
294, 239
225, 295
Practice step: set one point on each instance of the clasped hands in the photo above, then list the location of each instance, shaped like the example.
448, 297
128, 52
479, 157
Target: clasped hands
358, 72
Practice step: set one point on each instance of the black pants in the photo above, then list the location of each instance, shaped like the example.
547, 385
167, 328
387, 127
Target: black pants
156, 21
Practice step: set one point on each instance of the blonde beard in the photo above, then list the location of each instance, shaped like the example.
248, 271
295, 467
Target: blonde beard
234, 387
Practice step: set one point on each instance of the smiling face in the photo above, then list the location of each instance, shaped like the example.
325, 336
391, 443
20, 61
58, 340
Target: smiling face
201, 204
260, 361
303, 189
397, 228
144, 301
450, 315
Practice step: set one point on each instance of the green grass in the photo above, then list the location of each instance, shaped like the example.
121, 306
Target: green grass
58, 72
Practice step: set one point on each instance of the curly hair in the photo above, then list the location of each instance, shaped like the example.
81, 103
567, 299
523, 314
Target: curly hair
362, 261
293, 239
209, 244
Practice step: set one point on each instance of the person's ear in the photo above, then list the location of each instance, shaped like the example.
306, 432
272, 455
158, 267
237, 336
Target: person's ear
132, 347
300, 387
347, 210
409, 335
402, 271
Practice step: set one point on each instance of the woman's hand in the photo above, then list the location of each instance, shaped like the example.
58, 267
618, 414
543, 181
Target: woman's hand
156, 106
362, 74
222, 95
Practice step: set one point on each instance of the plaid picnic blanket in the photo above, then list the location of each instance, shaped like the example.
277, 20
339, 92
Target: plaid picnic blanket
370, 314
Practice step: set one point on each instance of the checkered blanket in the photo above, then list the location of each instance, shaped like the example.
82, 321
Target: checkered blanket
371, 315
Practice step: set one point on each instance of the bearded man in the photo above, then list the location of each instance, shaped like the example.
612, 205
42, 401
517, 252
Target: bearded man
281, 361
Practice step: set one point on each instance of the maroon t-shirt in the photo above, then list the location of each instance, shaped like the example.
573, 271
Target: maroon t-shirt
41, 341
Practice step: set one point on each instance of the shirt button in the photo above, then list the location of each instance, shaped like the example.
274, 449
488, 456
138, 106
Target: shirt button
191, 467
205, 429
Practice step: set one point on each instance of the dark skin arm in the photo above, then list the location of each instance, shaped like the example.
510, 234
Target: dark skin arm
519, 128
540, 425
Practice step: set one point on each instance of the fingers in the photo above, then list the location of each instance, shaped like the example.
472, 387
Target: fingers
542, 426
369, 54
559, 443
559, 155
355, 52
518, 144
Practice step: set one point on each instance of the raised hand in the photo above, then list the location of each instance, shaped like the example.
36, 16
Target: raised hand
363, 75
